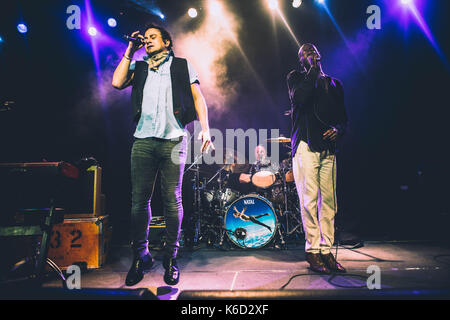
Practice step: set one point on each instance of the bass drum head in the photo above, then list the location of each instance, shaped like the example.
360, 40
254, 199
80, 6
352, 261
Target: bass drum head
251, 222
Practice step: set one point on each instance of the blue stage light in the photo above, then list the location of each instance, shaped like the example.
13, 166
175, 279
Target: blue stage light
22, 28
112, 22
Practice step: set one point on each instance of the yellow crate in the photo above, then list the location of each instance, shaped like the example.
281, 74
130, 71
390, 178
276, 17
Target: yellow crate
80, 240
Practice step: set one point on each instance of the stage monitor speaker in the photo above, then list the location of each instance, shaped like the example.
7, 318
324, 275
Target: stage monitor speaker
21, 292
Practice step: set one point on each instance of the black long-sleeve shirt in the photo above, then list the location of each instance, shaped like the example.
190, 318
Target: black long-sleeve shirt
317, 104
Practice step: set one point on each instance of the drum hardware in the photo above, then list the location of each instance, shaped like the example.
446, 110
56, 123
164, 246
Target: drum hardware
221, 214
285, 169
240, 233
197, 198
217, 197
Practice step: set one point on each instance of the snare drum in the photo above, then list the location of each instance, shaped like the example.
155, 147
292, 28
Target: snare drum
264, 179
251, 222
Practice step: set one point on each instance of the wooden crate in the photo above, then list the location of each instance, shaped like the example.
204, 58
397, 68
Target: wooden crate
81, 240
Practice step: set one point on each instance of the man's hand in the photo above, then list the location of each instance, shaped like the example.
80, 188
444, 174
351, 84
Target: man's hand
330, 134
206, 141
132, 46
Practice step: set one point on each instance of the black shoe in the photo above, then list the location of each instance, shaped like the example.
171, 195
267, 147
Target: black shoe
172, 274
316, 264
332, 264
139, 267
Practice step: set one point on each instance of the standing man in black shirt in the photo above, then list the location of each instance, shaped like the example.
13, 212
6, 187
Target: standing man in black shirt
318, 120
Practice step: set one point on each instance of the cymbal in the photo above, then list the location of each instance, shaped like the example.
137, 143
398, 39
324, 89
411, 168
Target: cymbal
226, 167
235, 168
279, 140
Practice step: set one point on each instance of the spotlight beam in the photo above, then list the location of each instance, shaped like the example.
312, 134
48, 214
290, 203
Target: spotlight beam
253, 72
341, 33
288, 27
426, 30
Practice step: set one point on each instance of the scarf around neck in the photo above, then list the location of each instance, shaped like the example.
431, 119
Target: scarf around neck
157, 59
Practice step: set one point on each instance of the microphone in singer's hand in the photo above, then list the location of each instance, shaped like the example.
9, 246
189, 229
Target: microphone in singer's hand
136, 40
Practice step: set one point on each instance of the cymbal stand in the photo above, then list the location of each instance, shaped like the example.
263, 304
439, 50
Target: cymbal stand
221, 204
197, 198
218, 172
287, 213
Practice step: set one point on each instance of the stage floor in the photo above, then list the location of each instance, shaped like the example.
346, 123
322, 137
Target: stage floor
403, 265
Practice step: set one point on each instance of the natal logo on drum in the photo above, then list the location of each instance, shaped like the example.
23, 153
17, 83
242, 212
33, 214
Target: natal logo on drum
249, 201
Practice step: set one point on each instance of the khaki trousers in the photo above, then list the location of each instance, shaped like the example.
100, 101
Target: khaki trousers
315, 179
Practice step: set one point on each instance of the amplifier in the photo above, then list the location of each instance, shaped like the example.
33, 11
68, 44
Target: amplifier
32, 185
87, 199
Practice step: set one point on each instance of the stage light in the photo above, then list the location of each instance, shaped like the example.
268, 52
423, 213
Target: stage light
321, 1
112, 22
1, 39
192, 12
296, 3
273, 4
22, 28
406, 2
92, 31
162, 16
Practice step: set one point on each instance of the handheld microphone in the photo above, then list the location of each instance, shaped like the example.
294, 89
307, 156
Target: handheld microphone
316, 58
134, 39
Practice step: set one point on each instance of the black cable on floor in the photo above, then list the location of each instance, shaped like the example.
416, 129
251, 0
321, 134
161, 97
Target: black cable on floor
330, 279
348, 275
298, 275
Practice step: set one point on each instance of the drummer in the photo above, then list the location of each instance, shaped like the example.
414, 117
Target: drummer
241, 181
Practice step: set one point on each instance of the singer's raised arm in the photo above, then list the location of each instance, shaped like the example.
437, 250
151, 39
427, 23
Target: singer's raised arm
123, 75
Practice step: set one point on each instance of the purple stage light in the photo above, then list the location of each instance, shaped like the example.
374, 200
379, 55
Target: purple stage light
92, 31
412, 8
22, 28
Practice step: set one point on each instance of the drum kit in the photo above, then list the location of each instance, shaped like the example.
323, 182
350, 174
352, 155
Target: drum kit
246, 215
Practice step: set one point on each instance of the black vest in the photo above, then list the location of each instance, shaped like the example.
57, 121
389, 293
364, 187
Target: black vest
183, 102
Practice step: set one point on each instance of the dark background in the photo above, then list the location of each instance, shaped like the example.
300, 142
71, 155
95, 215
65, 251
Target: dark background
393, 173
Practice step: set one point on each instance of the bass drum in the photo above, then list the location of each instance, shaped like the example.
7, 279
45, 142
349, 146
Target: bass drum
251, 222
